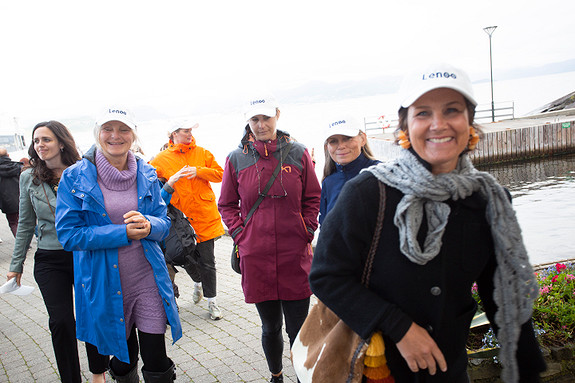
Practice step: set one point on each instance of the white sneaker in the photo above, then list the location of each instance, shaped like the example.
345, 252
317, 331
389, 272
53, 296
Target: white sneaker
215, 312
198, 294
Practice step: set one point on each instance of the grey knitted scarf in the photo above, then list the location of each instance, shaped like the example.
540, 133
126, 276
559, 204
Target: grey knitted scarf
515, 285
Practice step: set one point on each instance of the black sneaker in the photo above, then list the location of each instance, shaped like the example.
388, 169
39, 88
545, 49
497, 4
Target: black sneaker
277, 379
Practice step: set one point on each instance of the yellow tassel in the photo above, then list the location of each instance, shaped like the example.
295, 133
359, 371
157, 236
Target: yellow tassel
376, 346
374, 361
376, 369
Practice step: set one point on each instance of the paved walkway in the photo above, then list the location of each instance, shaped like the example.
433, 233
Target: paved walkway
228, 350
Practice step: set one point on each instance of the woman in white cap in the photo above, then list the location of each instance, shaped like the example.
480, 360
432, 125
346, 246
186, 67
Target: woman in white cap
51, 151
190, 169
111, 214
275, 244
346, 152
446, 225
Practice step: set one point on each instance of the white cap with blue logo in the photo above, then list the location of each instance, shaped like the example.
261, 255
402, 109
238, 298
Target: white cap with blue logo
116, 113
435, 76
182, 123
343, 125
265, 104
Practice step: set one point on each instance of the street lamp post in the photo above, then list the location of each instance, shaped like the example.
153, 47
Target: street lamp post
489, 31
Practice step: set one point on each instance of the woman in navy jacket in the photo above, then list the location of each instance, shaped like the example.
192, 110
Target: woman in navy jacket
446, 226
346, 152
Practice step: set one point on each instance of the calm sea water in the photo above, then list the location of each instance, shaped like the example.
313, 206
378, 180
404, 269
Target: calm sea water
544, 199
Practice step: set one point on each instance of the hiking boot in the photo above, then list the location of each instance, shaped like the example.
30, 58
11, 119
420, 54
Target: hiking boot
167, 376
215, 312
130, 377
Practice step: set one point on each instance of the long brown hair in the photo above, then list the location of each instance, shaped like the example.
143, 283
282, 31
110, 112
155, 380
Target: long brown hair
329, 167
70, 154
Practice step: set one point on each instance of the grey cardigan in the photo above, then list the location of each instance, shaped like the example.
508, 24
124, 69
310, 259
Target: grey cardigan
34, 209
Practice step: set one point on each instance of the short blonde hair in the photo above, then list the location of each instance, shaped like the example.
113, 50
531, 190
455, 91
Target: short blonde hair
134, 148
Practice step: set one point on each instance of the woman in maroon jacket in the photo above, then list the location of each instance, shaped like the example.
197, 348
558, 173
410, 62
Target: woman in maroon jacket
275, 245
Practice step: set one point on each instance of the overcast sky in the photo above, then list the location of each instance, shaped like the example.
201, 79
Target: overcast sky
70, 57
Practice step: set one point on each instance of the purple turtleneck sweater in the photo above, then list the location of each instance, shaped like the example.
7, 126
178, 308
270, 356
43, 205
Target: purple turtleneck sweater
142, 302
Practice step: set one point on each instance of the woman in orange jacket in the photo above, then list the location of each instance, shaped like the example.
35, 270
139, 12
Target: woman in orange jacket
194, 196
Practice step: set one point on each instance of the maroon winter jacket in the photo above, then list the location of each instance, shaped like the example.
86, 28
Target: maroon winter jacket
275, 246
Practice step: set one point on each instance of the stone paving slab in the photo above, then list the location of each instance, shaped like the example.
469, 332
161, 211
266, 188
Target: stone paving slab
227, 351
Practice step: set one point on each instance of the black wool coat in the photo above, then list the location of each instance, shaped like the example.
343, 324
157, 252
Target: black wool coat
9, 185
437, 296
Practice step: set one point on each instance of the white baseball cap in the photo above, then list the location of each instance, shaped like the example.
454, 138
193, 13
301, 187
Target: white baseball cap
182, 124
263, 104
116, 113
344, 125
435, 76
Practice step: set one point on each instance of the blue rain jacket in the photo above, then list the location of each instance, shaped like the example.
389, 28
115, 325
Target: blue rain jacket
83, 226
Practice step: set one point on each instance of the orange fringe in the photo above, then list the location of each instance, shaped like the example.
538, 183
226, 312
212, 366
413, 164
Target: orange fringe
376, 369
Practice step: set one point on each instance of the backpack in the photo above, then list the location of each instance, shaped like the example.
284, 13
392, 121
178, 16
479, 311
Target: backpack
181, 240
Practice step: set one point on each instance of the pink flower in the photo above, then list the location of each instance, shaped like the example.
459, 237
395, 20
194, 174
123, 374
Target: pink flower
474, 288
569, 277
554, 279
559, 267
546, 289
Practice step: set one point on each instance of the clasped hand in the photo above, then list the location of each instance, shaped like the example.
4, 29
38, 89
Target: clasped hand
137, 226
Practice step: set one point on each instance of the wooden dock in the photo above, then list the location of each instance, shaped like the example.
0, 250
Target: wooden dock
506, 140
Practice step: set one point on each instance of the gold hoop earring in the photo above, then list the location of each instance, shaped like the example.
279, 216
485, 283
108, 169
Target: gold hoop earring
403, 140
473, 138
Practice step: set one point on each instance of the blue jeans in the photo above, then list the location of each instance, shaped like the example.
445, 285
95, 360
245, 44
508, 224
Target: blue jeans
270, 313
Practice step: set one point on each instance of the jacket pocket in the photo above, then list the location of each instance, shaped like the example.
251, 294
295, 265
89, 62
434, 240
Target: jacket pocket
306, 234
208, 197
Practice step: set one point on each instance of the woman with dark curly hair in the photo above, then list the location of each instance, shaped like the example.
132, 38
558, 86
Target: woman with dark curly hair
52, 150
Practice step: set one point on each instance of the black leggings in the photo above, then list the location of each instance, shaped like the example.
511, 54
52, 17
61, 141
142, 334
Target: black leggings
152, 347
270, 312
54, 274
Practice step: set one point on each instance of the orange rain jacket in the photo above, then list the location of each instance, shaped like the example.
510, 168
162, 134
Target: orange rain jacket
194, 197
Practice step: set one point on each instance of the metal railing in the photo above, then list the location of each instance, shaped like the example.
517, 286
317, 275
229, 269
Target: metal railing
504, 110
379, 124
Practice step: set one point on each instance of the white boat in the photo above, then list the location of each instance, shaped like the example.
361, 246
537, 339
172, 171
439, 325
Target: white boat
12, 138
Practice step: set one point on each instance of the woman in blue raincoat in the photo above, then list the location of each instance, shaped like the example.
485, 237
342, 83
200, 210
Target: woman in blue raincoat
111, 214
